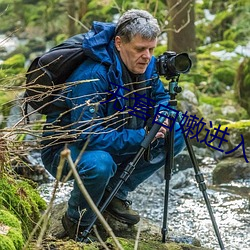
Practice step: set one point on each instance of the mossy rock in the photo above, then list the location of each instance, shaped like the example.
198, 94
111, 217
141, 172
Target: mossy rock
21, 199
222, 107
128, 244
236, 129
11, 237
232, 141
230, 169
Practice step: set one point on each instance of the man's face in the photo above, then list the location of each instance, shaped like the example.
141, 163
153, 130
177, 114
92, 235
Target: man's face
137, 53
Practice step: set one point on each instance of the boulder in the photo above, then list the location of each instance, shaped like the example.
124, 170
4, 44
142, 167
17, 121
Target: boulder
230, 169
149, 237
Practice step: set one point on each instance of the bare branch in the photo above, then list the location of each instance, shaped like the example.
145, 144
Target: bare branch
66, 154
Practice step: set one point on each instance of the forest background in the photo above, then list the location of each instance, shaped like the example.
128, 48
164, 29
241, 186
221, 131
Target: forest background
216, 35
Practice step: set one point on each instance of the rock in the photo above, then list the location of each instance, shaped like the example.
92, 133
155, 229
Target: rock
231, 169
181, 179
149, 237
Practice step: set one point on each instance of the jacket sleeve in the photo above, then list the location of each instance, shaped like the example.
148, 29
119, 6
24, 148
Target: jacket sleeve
89, 118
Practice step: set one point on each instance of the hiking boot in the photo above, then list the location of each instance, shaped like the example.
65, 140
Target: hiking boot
121, 211
75, 231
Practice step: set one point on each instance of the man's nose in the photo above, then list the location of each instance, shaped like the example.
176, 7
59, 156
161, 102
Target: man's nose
146, 54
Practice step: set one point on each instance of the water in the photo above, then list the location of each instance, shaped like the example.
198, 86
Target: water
187, 212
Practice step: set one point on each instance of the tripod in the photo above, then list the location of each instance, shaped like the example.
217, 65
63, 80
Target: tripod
173, 90
169, 163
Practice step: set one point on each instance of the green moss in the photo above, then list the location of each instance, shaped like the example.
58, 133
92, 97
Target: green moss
16, 61
212, 100
13, 71
16, 237
225, 75
236, 129
9, 219
6, 243
228, 45
128, 244
238, 125
13, 238
21, 199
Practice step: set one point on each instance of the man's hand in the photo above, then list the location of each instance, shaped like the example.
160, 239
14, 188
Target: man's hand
162, 131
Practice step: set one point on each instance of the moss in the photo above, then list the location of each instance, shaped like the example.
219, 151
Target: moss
214, 101
9, 219
22, 200
16, 237
238, 125
13, 70
225, 75
228, 45
13, 239
236, 129
128, 244
16, 61
6, 243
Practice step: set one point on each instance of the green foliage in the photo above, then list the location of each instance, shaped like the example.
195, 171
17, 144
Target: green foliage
229, 23
160, 49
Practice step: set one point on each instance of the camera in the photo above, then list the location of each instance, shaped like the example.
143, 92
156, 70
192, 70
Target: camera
171, 65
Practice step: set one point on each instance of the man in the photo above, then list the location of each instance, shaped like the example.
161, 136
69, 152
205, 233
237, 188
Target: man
121, 68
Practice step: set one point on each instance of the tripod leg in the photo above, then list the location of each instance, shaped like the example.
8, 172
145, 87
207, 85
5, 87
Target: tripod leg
202, 186
168, 173
127, 171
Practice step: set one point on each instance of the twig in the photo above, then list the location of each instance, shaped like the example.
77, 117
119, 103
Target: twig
77, 21
137, 236
99, 238
66, 155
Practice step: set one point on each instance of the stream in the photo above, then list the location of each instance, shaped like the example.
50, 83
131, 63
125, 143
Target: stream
187, 212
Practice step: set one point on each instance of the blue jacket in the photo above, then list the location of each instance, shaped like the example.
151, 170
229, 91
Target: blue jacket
101, 124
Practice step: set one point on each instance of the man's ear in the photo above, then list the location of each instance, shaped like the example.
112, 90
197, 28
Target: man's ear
118, 42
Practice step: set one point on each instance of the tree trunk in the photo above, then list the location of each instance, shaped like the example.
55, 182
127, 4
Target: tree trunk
83, 8
181, 27
71, 6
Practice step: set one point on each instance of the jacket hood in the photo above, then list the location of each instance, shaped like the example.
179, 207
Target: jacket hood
98, 42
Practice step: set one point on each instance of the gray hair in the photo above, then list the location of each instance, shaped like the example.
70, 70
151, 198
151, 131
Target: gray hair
137, 22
